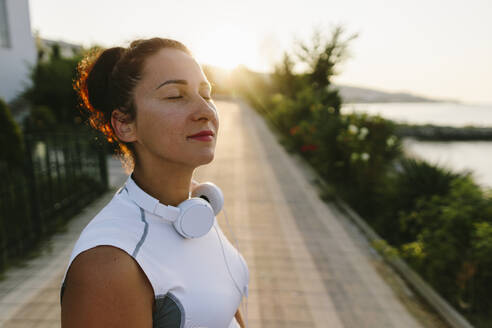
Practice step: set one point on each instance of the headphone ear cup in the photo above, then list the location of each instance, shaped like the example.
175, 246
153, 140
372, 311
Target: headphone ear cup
196, 218
211, 193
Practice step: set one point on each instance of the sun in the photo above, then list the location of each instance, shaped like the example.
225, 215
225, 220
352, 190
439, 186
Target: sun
227, 47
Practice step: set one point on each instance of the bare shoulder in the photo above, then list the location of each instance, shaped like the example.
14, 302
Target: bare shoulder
105, 287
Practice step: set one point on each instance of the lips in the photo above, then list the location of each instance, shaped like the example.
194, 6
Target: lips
202, 133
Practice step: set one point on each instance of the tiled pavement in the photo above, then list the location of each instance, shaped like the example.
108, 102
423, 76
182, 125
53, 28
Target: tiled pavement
308, 267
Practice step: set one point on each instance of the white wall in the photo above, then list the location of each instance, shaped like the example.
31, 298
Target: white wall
16, 59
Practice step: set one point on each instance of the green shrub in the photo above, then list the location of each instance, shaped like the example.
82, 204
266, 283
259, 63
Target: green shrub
412, 181
389, 252
353, 152
482, 267
455, 237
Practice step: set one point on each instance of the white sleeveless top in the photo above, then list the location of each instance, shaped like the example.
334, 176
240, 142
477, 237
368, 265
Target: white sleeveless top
190, 278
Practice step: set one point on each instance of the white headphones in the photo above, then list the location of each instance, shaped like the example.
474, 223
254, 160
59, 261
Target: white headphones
193, 217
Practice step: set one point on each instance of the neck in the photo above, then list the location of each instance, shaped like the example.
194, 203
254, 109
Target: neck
168, 182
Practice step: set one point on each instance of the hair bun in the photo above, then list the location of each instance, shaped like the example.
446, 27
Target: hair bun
98, 81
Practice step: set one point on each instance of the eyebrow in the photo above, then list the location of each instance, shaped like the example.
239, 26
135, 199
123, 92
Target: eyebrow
184, 82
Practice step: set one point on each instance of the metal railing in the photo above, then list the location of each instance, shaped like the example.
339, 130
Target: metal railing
61, 173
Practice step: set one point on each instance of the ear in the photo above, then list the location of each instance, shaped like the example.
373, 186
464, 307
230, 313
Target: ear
123, 127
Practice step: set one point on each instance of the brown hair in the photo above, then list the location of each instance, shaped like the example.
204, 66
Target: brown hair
106, 80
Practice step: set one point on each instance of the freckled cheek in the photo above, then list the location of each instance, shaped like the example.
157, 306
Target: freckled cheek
166, 141
159, 131
170, 135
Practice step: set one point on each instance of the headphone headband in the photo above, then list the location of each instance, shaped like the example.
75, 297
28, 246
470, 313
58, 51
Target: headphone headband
149, 203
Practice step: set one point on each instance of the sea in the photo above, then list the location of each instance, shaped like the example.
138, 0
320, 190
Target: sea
458, 156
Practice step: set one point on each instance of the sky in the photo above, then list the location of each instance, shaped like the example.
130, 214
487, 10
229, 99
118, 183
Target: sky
435, 48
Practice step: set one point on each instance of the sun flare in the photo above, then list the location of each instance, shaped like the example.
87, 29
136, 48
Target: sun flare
227, 48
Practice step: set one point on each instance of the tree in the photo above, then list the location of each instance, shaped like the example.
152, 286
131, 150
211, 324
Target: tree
41, 118
284, 79
52, 82
322, 56
11, 144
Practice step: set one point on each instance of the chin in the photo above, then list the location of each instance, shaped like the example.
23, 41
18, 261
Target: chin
203, 160
209, 159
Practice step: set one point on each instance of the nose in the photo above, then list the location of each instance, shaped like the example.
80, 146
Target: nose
204, 110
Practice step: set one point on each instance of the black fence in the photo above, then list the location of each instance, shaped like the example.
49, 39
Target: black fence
61, 173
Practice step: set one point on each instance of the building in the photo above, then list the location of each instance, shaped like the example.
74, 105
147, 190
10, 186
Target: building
17, 48
66, 49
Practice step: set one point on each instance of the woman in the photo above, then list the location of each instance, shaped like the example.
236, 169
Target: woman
130, 267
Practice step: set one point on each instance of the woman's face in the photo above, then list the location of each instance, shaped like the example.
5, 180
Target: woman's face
173, 102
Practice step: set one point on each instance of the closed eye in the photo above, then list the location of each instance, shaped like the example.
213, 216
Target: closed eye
179, 97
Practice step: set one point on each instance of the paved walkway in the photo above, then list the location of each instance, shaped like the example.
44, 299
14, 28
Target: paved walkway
308, 266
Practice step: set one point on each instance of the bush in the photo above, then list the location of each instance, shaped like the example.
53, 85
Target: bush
411, 181
482, 267
455, 239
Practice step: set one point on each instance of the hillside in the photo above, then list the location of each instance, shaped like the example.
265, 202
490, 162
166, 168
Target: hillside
365, 95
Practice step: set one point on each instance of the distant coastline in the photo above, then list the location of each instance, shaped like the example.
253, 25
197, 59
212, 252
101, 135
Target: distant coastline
364, 95
444, 114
